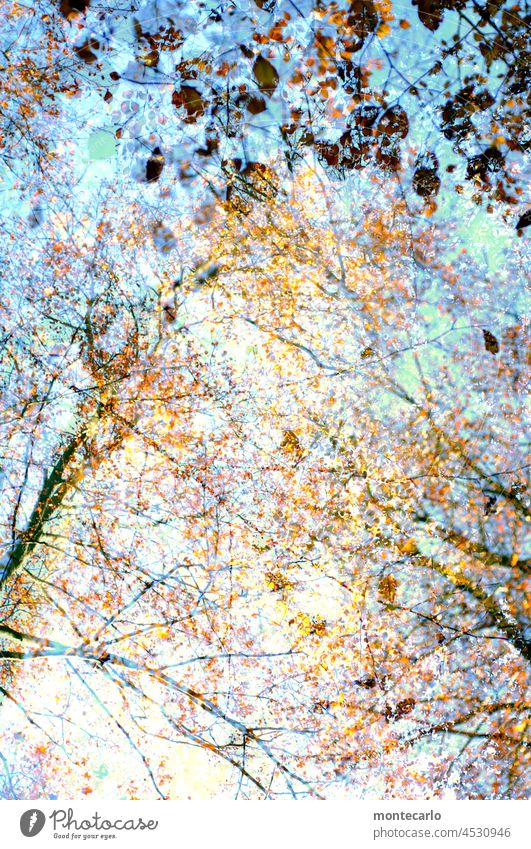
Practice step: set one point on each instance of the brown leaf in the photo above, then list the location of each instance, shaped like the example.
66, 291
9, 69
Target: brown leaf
259, 180
363, 20
430, 13
85, 51
328, 152
387, 588
394, 123
154, 165
149, 57
490, 160
491, 343
366, 683
255, 105
212, 144
71, 8
402, 709
456, 120
266, 75
317, 626
190, 98
364, 116
353, 149
524, 220
426, 181
388, 157
277, 582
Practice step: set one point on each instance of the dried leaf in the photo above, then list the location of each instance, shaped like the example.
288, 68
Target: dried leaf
402, 709
394, 123
524, 220
85, 51
426, 181
328, 152
290, 443
366, 683
430, 13
266, 75
154, 165
71, 8
490, 160
387, 588
255, 105
491, 343
190, 98
363, 19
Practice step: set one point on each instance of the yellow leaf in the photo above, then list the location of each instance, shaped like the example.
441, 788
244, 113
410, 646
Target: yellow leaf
387, 588
383, 30
409, 547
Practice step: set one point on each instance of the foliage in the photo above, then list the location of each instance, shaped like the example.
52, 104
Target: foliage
263, 417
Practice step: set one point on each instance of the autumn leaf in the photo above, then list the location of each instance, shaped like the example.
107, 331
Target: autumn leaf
366, 683
276, 581
426, 181
266, 75
430, 12
383, 30
394, 122
363, 19
387, 588
192, 101
524, 220
409, 546
71, 8
85, 51
290, 444
491, 343
490, 160
255, 105
328, 152
402, 709
154, 165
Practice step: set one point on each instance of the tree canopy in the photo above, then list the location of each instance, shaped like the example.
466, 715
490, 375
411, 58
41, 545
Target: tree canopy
264, 440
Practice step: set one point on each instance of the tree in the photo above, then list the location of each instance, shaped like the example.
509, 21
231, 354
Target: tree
215, 90
253, 501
